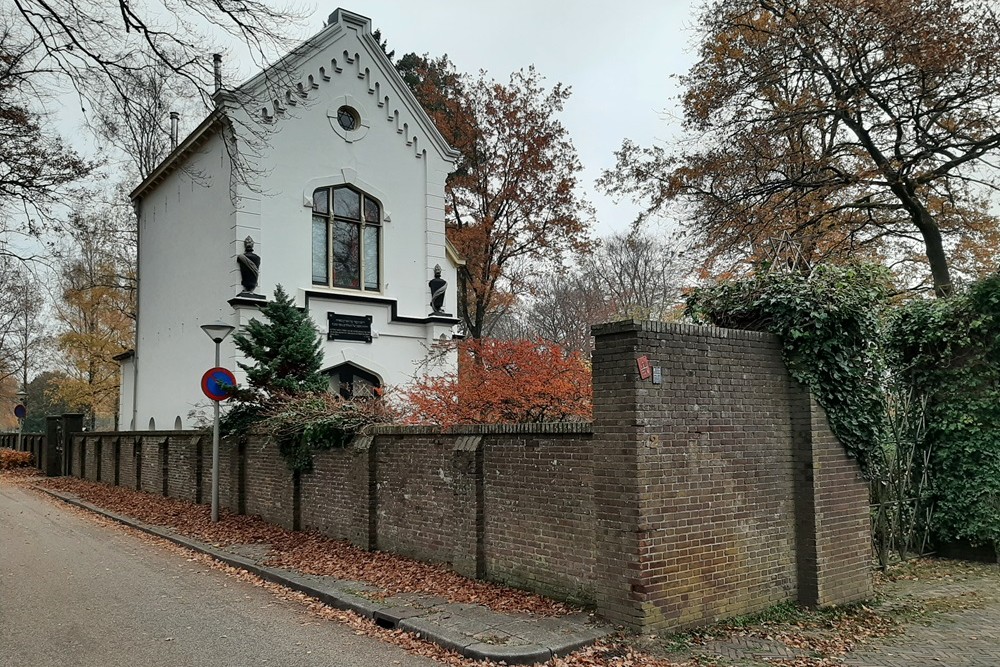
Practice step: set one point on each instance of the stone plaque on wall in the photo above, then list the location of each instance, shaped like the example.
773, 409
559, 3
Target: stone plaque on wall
349, 327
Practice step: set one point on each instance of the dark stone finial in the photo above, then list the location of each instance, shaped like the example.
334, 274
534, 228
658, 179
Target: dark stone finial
249, 263
438, 287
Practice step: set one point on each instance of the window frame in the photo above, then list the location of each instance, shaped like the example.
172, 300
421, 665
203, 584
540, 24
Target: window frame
331, 218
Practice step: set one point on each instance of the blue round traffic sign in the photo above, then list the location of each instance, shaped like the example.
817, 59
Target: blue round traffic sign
20, 411
218, 383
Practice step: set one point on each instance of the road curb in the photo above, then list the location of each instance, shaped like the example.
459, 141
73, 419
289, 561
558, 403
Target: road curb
387, 616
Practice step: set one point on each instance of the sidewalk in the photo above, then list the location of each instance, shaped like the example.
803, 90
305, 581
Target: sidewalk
472, 630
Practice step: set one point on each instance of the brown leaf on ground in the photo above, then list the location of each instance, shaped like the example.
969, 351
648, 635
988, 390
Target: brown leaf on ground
308, 552
15, 474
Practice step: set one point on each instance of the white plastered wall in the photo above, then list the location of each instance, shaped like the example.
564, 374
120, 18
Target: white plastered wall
185, 279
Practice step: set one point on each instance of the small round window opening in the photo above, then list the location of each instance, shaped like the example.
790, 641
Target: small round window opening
348, 118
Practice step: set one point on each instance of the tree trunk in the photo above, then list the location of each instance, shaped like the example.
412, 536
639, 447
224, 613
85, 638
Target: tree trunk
934, 248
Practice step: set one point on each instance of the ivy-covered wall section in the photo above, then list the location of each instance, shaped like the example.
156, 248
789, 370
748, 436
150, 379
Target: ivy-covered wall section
830, 322
911, 388
949, 350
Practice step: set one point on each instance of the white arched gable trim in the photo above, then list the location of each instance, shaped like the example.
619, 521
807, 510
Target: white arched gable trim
345, 177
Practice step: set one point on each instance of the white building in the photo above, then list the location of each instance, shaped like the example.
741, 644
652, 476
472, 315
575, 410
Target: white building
344, 199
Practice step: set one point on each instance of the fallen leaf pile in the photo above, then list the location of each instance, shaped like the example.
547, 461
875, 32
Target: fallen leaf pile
308, 552
12, 460
15, 474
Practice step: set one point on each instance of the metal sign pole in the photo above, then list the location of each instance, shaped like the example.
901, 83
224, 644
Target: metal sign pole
215, 448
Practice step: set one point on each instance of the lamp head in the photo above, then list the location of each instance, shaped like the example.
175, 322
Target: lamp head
217, 331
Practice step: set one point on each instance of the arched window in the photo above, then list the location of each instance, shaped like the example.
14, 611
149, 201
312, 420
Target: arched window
345, 239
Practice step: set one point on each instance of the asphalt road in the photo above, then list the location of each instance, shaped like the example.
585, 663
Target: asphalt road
75, 593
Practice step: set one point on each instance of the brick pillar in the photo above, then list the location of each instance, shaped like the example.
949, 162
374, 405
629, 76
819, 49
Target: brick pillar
832, 523
363, 492
616, 480
468, 558
99, 471
72, 423
51, 462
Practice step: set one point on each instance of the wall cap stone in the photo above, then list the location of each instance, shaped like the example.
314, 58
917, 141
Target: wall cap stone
678, 329
548, 428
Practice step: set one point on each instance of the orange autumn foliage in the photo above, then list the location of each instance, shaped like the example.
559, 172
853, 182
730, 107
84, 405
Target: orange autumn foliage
504, 382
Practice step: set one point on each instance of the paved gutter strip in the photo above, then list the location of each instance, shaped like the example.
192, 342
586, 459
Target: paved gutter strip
430, 620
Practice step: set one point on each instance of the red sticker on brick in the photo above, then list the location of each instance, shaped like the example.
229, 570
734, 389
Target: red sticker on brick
645, 369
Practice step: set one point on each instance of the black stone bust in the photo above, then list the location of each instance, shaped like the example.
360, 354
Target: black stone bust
438, 287
249, 263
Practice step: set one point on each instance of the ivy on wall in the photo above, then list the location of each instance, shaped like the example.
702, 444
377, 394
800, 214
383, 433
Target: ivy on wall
937, 359
830, 322
949, 350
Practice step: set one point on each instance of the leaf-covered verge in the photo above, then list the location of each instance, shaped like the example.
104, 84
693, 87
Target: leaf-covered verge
949, 350
831, 325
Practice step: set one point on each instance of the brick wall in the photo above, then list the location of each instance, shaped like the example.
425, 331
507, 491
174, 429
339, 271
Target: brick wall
92, 452
327, 500
154, 448
413, 482
718, 491
538, 505
184, 471
129, 448
269, 489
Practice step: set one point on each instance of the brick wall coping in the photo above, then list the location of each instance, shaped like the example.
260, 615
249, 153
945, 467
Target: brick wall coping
144, 434
543, 428
679, 329
486, 429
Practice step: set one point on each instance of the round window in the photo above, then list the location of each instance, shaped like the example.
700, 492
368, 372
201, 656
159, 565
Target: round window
348, 118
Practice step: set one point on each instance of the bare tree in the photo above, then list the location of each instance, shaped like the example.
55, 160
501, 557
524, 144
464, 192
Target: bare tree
23, 332
84, 39
626, 276
848, 124
36, 167
140, 127
637, 275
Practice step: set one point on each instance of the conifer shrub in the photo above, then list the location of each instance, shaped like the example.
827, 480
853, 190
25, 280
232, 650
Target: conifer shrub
287, 396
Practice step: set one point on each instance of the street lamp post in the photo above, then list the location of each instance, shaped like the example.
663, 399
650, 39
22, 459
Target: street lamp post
217, 332
22, 396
